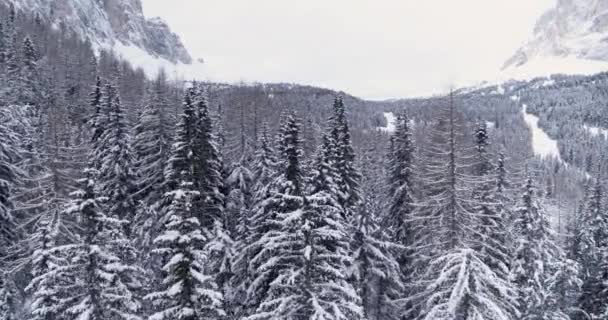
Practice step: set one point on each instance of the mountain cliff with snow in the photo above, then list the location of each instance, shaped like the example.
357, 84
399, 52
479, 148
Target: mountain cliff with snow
117, 24
575, 31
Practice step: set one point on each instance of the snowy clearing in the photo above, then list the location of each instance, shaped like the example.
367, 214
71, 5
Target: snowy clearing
595, 131
390, 123
542, 144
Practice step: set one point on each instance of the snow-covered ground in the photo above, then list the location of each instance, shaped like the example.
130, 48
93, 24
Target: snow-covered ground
542, 144
390, 122
595, 131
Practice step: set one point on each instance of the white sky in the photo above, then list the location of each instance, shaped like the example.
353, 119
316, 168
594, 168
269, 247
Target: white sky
370, 48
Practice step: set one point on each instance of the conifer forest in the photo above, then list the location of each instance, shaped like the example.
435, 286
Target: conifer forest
130, 197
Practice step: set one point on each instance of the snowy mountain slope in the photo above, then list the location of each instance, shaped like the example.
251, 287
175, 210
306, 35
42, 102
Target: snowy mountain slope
570, 37
108, 23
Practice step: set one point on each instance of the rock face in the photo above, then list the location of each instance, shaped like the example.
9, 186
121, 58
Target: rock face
573, 28
107, 22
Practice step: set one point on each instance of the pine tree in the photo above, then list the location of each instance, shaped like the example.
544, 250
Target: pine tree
282, 195
487, 196
97, 283
10, 175
251, 224
467, 289
188, 291
401, 169
377, 269
534, 255
310, 248
98, 118
114, 156
29, 80
590, 250
151, 144
209, 165
344, 158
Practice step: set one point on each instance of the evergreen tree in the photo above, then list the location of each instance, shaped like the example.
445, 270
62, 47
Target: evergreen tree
250, 225
113, 153
309, 249
151, 144
590, 249
188, 291
96, 284
10, 175
467, 289
98, 118
282, 195
487, 196
534, 255
209, 179
344, 158
30, 81
400, 213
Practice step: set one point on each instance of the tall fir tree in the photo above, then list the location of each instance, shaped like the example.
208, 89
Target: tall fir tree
95, 284
116, 180
344, 158
590, 251
188, 291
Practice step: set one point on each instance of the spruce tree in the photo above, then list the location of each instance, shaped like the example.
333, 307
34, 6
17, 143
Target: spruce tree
376, 265
151, 145
97, 283
188, 291
251, 224
344, 158
401, 188
308, 251
535, 257
282, 195
590, 251
10, 176
487, 196
115, 158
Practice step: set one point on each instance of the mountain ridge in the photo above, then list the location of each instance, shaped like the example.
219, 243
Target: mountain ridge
108, 23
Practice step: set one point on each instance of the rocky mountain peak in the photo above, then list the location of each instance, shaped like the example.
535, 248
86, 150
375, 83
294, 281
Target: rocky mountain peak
108, 22
573, 28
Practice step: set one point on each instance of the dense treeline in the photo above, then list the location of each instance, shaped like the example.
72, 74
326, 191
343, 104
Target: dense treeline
128, 198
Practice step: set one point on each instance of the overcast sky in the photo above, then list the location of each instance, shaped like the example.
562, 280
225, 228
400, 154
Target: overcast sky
370, 48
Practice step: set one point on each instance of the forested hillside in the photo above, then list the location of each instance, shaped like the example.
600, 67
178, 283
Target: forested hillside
123, 197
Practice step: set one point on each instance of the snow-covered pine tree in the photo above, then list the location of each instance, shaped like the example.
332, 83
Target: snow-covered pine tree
448, 246
52, 227
401, 169
534, 254
344, 159
10, 177
491, 233
116, 180
250, 225
188, 291
309, 248
467, 288
29, 83
151, 144
93, 282
282, 195
590, 249
209, 164
376, 268
152, 141
237, 220
98, 118
446, 212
